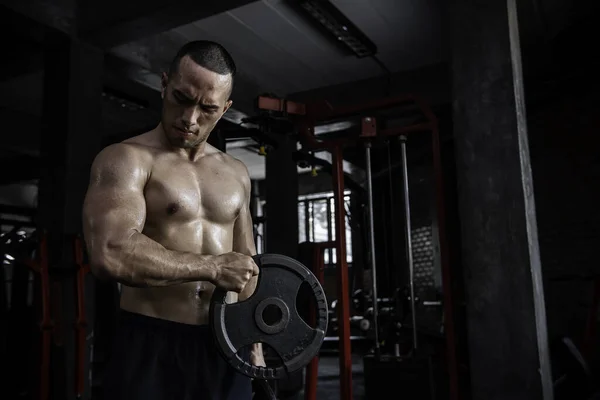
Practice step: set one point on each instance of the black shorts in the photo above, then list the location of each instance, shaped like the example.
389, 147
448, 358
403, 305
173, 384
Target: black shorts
155, 359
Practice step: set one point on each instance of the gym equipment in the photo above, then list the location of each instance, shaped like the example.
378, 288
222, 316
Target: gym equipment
409, 251
32, 254
81, 321
306, 117
241, 324
372, 245
313, 255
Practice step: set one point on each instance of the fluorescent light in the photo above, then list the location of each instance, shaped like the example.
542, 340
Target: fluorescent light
334, 21
333, 127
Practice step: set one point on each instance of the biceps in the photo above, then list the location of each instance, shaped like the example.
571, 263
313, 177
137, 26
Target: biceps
111, 217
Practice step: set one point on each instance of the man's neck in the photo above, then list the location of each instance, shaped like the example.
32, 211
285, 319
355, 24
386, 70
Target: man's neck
190, 153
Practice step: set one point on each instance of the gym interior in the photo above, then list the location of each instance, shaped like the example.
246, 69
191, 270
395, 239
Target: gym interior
434, 164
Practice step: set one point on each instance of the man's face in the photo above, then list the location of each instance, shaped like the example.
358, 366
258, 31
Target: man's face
194, 99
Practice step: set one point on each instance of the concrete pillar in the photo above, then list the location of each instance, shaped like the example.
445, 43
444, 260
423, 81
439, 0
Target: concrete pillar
282, 200
506, 318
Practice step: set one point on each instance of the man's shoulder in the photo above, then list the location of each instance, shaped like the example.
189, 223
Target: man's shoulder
125, 153
228, 160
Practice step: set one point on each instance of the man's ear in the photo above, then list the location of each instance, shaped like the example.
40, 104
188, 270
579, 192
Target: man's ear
164, 80
227, 105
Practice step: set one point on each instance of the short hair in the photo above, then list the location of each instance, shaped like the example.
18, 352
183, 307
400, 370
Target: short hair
207, 54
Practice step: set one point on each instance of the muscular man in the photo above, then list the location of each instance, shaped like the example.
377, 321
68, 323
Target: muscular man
167, 215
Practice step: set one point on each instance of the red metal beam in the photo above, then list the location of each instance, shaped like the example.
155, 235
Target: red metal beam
280, 105
317, 267
324, 110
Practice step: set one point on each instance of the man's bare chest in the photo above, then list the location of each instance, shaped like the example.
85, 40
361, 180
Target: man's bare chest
182, 193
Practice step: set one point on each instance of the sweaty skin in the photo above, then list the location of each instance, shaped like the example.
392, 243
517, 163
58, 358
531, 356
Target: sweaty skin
167, 215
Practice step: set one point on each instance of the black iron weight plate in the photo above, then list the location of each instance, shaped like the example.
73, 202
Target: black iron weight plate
240, 324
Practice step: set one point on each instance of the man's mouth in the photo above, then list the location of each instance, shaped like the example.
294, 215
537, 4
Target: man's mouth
183, 132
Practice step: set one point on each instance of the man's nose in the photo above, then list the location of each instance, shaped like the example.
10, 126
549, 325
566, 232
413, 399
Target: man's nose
189, 116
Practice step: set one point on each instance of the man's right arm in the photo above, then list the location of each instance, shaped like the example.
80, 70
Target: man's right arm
114, 214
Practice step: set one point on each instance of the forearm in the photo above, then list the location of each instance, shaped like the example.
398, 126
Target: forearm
142, 262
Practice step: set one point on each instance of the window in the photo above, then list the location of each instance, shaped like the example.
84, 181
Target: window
316, 222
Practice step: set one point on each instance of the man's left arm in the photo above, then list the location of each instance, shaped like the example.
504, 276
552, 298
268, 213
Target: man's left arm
243, 242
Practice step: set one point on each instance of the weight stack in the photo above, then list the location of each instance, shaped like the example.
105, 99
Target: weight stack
409, 378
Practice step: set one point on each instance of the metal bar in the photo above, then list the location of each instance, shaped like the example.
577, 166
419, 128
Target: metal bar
392, 277
539, 303
372, 247
307, 224
311, 232
409, 251
343, 308
81, 322
329, 228
316, 113
448, 295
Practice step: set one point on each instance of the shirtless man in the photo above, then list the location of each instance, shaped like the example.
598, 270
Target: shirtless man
167, 215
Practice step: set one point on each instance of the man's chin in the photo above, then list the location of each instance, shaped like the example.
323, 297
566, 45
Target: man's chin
184, 143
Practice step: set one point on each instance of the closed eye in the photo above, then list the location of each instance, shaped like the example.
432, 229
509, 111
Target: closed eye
182, 99
210, 109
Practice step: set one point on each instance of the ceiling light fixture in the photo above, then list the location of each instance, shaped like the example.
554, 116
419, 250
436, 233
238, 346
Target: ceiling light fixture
336, 23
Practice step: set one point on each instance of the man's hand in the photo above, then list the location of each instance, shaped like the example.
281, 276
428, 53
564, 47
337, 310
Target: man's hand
233, 271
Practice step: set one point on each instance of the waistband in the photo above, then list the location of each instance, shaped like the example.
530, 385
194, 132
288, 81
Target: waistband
138, 320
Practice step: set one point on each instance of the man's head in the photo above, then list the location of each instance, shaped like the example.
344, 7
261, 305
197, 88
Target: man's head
196, 92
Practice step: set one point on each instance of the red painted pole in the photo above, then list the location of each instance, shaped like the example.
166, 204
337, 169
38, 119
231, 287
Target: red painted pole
343, 307
312, 371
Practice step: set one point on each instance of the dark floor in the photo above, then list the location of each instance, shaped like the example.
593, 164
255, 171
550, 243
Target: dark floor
328, 386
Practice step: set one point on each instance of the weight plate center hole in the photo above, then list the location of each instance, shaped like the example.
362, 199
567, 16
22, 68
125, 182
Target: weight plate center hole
272, 315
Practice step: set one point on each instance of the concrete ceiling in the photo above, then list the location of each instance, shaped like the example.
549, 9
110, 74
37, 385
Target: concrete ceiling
279, 51
276, 48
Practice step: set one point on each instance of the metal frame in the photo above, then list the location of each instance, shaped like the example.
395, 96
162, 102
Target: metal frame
317, 267
308, 115
48, 324
81, 322
40, 266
